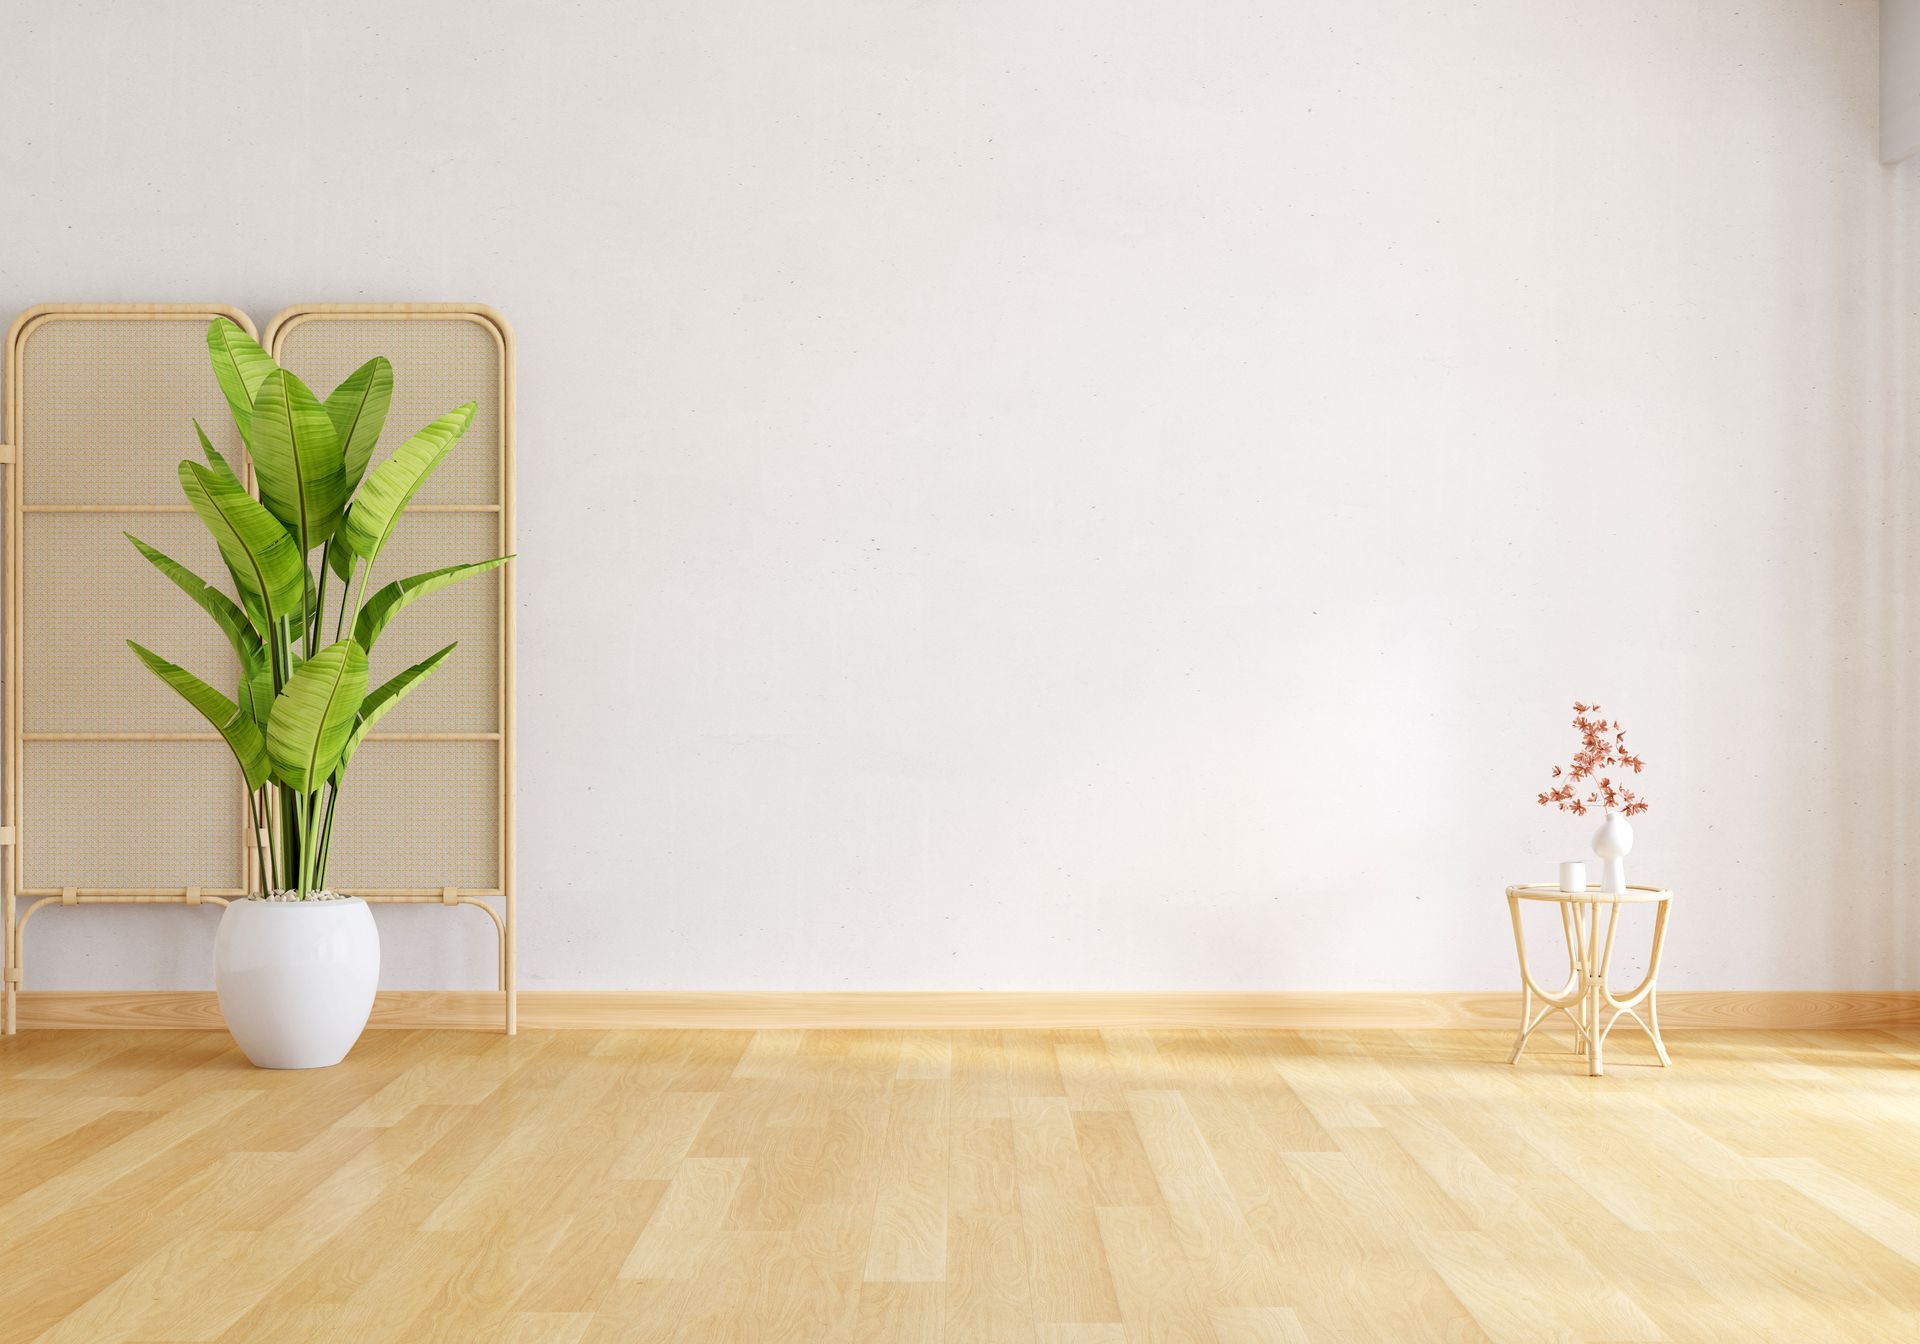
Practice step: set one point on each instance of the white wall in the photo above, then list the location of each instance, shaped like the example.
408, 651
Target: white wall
1899, 79
1095, 495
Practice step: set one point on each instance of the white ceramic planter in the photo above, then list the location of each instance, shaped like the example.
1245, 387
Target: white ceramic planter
296, 979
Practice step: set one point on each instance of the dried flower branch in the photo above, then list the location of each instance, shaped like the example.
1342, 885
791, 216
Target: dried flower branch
1603, 746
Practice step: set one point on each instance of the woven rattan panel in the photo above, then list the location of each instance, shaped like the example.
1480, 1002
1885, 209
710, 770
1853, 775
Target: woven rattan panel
121, 788
420, 814
440, 360
131, 816
429, 804
88, 591
114, 790
464, 695
107, 400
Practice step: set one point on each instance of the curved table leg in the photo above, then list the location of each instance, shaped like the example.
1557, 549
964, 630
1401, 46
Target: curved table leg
1644, 992
1588, 995
1566, 1001
1581, 954
1596, 1065
1652, 1025
1599, 968
1527, 1024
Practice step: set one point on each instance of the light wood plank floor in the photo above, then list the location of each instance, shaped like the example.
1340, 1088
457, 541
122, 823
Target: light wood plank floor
1041, 1187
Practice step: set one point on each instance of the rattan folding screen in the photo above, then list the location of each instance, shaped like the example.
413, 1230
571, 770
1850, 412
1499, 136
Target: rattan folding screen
115, 792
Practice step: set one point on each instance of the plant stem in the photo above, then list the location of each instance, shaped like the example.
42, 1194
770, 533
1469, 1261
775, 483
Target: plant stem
320, 611
313, 883
269, 852
340, 619
310, 844
289, 839
269, 856
288, 867
302, 868
326, 827
264, 810
360, 595
268, 802
253, 815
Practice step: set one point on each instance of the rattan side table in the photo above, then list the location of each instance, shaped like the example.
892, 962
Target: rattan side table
1587, 995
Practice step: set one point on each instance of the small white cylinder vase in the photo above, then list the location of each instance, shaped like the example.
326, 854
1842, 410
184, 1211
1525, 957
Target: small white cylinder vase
296, 978
1573, 875
1611, 843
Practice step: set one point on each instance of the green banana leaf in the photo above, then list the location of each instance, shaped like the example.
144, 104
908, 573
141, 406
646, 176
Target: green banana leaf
299, 722
340, 557
388, 488
241, 733
386, 603
256, 693
296, 455
388, 695
225, 612
218, 465
314, 713
256, 688
214, 459
256, 548
358, 410
241, 366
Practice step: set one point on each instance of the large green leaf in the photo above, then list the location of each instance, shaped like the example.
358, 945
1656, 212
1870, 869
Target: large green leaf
263, 558
296, 455
340, 557
256, 688
224, 610
377, 508
314, 713
240, 731
241, 366
386, 697
256, 693
214, 459
387, 602
218, 465
358, 409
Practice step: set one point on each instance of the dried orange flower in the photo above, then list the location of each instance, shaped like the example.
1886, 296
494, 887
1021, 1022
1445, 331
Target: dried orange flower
1603, 746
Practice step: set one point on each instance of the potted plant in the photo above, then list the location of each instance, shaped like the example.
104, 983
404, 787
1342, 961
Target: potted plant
295, 964
1588, 782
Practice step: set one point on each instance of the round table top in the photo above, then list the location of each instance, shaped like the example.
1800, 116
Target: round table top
1550, 891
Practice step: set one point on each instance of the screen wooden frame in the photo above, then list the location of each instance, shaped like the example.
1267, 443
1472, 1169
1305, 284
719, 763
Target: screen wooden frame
13, 454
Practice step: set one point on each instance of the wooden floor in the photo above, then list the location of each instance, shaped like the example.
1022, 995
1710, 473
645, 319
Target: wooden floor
1040, 1187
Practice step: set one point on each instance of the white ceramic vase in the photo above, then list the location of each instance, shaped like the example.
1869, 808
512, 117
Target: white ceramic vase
1611, 843
296, 979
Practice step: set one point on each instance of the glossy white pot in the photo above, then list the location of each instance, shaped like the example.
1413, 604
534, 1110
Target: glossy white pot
296, 979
